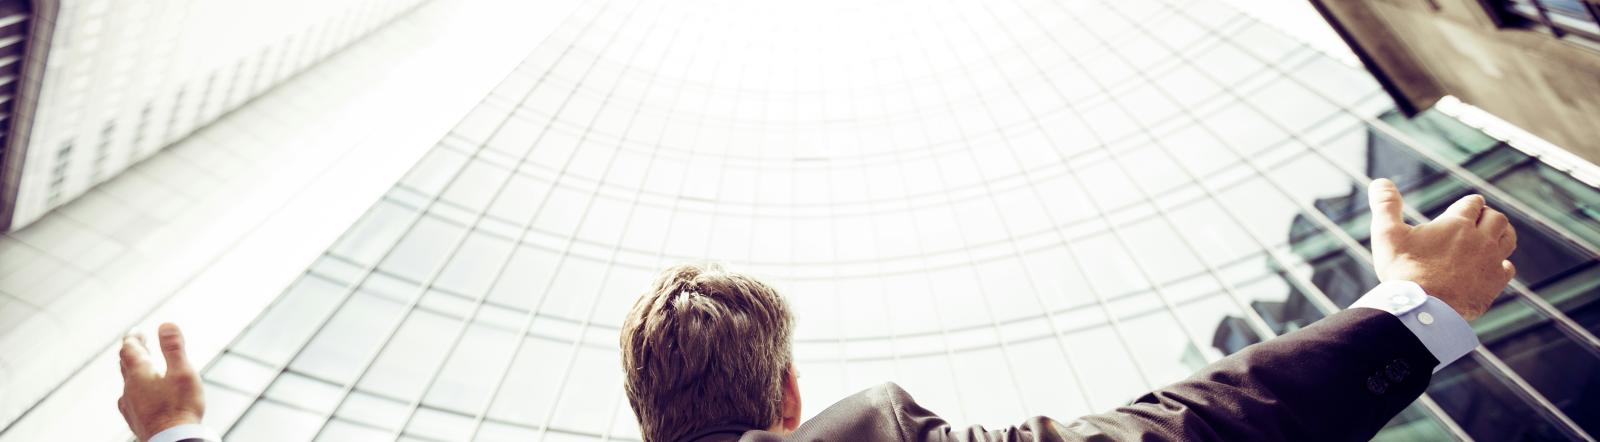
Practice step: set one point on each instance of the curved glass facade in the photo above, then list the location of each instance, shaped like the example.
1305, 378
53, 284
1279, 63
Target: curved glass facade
1009, 208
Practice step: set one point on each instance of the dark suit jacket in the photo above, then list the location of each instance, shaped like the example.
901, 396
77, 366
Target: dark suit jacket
1341, 378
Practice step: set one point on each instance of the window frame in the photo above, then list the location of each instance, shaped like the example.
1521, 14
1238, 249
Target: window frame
1507, 15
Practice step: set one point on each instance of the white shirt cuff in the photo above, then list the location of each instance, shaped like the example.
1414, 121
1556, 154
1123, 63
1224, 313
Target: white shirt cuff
1434, 323
185, 432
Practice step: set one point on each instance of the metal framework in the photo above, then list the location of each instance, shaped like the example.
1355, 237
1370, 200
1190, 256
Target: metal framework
1572, 20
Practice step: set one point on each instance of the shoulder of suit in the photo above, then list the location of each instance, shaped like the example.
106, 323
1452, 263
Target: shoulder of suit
876, 413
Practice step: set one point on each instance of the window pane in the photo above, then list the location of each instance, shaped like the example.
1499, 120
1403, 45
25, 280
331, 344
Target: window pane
268, 421
475, 365
288, 323
423, 248
987, 389
475, 265
375, 233
312, 394
431, 174
476, 185
240, 373
526, 278
341, 347
1112, 384
533, 383
439, 425
588, 396
341, 430
413, 354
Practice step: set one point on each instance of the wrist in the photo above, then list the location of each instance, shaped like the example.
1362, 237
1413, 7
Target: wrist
1443, 294
156, 424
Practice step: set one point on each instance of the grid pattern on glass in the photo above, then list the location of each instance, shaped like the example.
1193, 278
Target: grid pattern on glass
1060, 205
101, 89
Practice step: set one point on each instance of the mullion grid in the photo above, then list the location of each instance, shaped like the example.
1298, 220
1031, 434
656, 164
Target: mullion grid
533, 313
521, 336
1254, 318
398, 18
1211, 269
1318, 297
1014, 251
1496, 366
1325, 305
1360, 252
845, 345
1313, 292
367, 272
620, 401
1456, 171
1156, 287
228, 349
551, 413
926, 282
885, 154
994, 324
832, 216
666, 236
479, 214
1063, 171
896, 356
1561, 319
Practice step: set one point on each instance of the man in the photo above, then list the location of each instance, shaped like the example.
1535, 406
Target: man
707, 358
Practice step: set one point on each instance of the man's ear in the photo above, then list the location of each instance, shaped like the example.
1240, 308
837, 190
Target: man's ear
791, 401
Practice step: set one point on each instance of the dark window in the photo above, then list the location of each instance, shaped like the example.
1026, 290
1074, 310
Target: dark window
58, 174
102, 151
1573, 20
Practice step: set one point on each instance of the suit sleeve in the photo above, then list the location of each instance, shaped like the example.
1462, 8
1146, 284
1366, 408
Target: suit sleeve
1341, 378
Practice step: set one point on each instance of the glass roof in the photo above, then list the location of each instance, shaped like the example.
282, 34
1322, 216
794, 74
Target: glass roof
1009, 208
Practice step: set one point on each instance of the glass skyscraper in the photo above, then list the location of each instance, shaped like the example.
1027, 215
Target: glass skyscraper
107, 84
1009, 208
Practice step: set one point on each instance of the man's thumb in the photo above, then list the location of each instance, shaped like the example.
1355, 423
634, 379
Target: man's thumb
172, 348
1388, 210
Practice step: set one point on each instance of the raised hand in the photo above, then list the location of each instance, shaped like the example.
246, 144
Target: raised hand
152, 402
1459, 257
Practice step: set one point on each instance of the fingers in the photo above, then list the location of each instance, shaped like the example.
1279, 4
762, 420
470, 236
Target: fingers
172, 347
1387, 207
1509, 268
1508, 240
1469, 207
1493, 222
134, 358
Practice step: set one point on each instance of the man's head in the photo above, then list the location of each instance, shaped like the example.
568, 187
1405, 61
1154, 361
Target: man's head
706, 347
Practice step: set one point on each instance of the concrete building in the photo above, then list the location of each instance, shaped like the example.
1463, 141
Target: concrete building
1535, 63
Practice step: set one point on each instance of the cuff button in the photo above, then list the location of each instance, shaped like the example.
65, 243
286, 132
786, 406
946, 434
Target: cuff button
1377, 385
1425, 318
1397, 370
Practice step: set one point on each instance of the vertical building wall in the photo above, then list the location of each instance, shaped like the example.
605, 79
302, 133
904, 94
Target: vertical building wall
244, 203
125, 78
